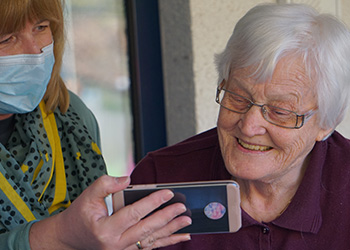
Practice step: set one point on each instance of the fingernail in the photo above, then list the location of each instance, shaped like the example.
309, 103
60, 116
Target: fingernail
182, 209
188, 221
186, 237
122, 180
168, 195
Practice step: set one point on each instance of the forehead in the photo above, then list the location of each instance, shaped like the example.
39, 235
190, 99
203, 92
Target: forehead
289, 78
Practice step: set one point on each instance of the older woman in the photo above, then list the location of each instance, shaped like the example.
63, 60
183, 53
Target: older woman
49, 151
283, 88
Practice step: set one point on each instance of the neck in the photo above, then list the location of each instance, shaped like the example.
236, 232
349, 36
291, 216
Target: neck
5, 116
266, 200
265, 204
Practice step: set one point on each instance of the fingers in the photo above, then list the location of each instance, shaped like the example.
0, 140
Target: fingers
133, 213
133, 226
163, 242
160, 219
167, 241
128, 225
165, 224
159, 225
164, 236
172, 227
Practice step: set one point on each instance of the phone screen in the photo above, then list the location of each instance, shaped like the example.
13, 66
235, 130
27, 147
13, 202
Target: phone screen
206, 205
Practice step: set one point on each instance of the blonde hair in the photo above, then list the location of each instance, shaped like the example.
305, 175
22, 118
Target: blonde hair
13, 16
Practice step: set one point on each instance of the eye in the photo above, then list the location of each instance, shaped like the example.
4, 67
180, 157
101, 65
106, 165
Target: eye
278, 112
236, 102
42, 26
6, 39
238, 99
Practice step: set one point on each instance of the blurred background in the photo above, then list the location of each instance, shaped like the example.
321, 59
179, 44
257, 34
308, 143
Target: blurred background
146, 67
96, 68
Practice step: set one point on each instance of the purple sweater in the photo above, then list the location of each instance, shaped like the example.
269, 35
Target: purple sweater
317, 218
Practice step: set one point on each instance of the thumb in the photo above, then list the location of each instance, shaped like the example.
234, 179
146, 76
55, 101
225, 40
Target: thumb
106, 185
121, 183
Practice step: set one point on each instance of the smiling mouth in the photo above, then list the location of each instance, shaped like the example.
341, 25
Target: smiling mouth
253, 147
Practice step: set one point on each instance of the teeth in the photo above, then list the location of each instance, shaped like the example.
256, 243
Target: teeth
253, 147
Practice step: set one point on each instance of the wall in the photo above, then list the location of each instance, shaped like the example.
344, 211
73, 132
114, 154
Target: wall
192, 32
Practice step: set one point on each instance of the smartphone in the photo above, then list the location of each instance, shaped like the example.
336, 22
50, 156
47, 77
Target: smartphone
214, 206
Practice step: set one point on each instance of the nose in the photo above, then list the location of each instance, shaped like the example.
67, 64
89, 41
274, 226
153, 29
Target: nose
253, 123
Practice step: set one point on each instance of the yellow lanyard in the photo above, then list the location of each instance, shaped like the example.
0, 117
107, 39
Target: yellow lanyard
16, 200
50, 125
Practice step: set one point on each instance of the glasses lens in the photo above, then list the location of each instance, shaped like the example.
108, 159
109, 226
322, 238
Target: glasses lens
233, 101
279, 116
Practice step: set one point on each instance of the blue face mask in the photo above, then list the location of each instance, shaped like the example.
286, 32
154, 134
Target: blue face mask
24, 79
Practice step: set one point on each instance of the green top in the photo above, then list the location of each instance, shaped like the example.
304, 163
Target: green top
34, 182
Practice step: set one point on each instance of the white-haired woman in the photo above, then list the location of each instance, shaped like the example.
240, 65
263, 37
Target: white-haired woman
283, 88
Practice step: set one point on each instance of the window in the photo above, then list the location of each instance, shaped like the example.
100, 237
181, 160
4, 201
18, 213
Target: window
96, 68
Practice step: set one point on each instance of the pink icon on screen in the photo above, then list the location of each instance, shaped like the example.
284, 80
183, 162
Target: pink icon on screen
214, 210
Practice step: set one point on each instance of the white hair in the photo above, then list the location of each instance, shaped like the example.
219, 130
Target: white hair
270, 32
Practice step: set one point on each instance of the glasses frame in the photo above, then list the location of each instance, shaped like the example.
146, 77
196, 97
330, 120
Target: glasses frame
302, 118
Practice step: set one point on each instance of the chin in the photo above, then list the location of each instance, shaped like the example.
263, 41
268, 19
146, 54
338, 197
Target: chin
248, 169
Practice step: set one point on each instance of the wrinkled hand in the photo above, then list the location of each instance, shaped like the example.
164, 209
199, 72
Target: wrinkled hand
86, 224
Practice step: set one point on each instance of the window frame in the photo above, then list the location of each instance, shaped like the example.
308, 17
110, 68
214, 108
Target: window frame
146, 76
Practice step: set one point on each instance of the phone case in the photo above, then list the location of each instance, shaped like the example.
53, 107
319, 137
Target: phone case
214, 206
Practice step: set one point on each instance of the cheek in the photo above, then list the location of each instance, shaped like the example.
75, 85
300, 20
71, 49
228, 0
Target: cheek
290, 151
293, 149
227, 120
221, 119
225, 126
45, 38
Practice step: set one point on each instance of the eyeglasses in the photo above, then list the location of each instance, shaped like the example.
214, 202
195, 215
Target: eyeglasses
275, 115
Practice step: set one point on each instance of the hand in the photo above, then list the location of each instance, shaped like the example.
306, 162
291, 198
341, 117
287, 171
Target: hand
86, 224
144, 230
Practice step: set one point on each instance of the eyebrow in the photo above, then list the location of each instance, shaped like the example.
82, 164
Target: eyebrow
238, 83
41, 21
290, 97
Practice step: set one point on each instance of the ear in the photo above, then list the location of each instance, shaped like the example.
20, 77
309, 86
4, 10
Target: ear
323, 134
